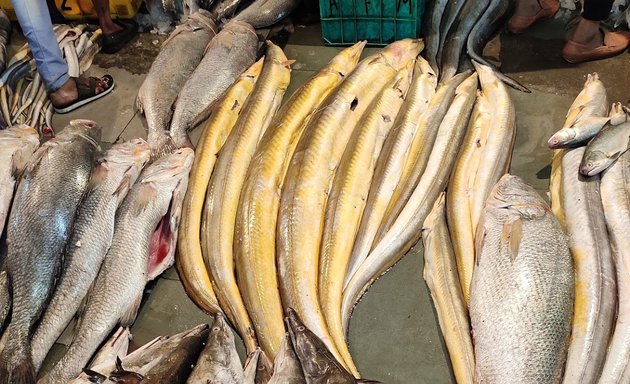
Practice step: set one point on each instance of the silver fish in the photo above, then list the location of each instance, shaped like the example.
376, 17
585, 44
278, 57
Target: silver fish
287, 368
521, 296
265, 13
116, 171
610, 143
219, 361
227, 55
178, 58
46, 201
117, 291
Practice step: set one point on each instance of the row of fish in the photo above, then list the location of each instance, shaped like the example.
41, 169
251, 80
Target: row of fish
457, 30
306, 205
23, 97
208, 355
105, 224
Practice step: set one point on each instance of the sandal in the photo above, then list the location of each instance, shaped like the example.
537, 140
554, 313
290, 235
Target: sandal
114, 42
519, 24
87, 92
614, 43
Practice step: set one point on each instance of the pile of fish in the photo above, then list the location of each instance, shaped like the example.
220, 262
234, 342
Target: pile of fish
589, 194
258, 13
306, 205
455, 29
23, 97
208, 355
194, 68
105, 224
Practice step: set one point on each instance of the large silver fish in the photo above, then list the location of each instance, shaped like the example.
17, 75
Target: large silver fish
117, 291
610, 143
116, 171
178, 58
521, 296
227, 55
46, 201
17, 145
265, 13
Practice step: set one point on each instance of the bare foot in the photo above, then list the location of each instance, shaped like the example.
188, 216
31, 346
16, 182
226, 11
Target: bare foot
527, 8
588, 34
108, 26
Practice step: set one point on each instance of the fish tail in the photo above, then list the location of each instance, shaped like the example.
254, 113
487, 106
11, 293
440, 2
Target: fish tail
16, 363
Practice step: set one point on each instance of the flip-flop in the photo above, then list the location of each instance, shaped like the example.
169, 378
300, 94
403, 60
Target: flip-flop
87, 92
114, 42
614, 43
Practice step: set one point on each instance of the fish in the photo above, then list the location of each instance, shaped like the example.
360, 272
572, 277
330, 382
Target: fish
606, 147
521, 296
419, 151
555, 187
595, 286
190, 264
614, 192
389, 166
310, 173
17, 145
591, 101
251, 366
460, 188
578, 133
257, 212
406, 230
5, 35
45, 202
5, 299
115, 172
117, 291
617, 114
105, 359
226, 183
449, 17
219, 361
497, 155
440, 274
493, 18
228, 54
318, 363
458, 37
265, 13
286, 366
179, 56
431, 32
224, 9
347, 199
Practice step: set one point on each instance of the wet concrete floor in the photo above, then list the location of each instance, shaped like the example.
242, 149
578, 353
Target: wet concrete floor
394, 335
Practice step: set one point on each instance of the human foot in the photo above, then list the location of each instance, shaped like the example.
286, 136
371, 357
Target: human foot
77, 92
528, 12
113, 42
589, 42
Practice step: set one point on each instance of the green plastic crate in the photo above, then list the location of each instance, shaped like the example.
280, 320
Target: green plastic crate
380, 22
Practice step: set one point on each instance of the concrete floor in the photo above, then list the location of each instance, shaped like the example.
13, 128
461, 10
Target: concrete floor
394, 336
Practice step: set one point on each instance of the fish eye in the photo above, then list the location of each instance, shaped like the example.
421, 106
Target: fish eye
300, 328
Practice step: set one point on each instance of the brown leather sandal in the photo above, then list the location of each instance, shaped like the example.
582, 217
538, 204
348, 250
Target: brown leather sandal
548, 9
615, 43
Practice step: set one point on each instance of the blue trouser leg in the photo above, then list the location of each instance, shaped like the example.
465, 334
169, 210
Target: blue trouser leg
35, 21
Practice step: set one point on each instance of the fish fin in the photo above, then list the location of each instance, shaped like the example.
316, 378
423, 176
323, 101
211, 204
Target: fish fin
94, 377
288, 63
98, 176
129, 316
139, 106
479, 241
124, 186
511, 236
148, 195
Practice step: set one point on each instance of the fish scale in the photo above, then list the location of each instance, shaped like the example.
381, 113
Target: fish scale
117, 291
521, 296
44, 207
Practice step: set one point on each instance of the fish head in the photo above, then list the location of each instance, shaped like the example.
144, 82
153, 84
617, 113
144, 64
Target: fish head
346, 60
133, 154
512, 195
86, 129
423, 67
561, 138
401, 52
122, 376
220, 333
593, 163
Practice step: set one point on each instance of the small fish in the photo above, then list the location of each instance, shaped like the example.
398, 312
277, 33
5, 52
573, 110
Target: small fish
605, 148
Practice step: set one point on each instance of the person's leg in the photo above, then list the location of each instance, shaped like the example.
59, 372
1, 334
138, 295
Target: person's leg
104, 17
35, 21
588, 41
